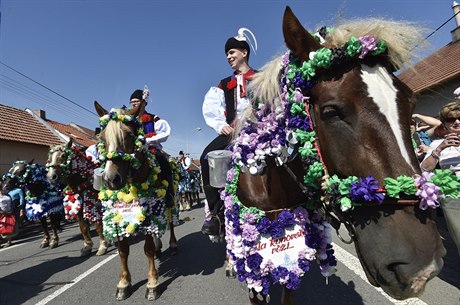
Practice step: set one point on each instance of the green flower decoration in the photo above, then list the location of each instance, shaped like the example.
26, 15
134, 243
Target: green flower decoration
315, 172
402, 184
447, 181
353, 47
380, 48
322, 58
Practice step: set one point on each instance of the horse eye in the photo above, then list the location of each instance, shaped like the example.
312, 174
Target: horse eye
329, 111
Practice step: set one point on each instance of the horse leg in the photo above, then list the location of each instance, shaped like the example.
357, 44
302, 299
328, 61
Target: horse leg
103, 243
173, 248
181, 206
153, 291
158, 246
229, 270
55, 218
87, 242
46, 239
124, 288
287, 296
187, 200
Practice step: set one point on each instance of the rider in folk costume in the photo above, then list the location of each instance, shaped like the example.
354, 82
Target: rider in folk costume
222, 107
184, 170
184, 181
156, 131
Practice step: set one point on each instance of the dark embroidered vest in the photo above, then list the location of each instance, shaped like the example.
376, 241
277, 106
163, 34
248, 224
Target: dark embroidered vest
230, 97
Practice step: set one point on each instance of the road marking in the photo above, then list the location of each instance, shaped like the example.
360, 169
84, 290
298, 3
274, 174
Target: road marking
76, 280
10, 247
352, 263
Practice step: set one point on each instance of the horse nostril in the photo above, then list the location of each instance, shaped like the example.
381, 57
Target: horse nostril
117, 179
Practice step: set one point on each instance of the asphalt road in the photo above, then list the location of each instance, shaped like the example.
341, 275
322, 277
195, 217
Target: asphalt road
30, 275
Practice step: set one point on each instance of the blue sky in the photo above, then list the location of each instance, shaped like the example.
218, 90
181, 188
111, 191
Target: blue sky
104, 49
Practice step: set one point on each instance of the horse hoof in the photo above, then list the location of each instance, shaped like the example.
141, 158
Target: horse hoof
151, 294
123, 293
231, 274
45, 244
101, 251
173, 251
85, 251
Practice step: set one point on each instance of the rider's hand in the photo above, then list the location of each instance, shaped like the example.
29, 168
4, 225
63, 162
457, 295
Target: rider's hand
226, 130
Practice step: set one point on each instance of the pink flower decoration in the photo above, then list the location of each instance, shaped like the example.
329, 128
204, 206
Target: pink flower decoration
369, 43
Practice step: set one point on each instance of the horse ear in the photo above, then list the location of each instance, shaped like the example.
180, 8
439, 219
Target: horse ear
297, 39
31, 161
69, 144
99, 109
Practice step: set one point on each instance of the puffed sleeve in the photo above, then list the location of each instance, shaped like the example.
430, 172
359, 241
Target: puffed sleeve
214, 109
162, 129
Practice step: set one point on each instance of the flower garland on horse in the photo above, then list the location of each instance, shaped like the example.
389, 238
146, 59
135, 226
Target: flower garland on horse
136, 207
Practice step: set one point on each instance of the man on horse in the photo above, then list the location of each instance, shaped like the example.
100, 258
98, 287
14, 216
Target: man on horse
221, 108
156, 131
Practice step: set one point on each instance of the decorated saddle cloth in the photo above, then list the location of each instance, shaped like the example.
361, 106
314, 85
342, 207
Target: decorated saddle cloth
141, 215
43, 205
135, 208
87, 200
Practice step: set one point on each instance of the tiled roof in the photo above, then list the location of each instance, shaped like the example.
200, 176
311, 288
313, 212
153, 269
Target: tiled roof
77, 136
441, 66
195, 166
20, 126
84, 129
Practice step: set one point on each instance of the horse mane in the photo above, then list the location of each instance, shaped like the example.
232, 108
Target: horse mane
114, 130
401, 38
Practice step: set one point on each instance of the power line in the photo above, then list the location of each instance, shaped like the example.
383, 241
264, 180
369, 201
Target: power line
439, 27
49, 89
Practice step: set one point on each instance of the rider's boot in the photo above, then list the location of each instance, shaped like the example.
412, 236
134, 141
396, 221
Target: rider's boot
215, 225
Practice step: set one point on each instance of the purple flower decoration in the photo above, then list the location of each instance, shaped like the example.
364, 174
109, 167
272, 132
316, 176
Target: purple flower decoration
264, 226
277, 229
250, 232
369, 43
294, 281
300, 215
254, 261
365, 190
286, 218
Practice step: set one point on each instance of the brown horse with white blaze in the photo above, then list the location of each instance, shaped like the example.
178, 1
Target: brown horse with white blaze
361, 114
130, 168
69, 167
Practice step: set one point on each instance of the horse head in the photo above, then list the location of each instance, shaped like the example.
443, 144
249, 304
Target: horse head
335, 111
59, 163
119, 143
361, 113
15, 176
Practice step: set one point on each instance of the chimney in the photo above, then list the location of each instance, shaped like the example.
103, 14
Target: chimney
456, 32
40, 113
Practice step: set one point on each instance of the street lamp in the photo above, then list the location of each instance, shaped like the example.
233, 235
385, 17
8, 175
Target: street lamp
186, 140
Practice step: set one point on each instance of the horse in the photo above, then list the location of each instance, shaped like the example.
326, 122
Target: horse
70, 167
42, 199
132, 192
325, 143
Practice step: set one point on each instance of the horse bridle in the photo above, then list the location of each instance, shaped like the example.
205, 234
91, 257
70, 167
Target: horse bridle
334, 216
